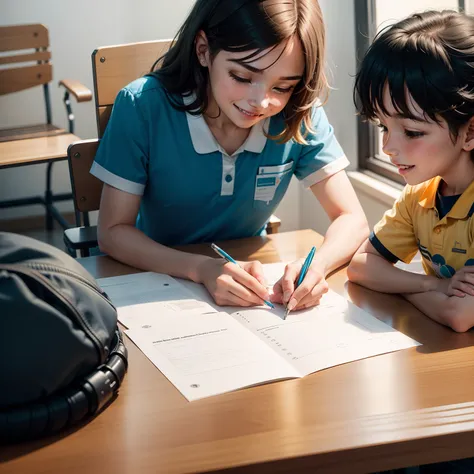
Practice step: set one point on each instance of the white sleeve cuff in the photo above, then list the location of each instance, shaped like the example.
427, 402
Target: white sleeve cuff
116, 181
326, 171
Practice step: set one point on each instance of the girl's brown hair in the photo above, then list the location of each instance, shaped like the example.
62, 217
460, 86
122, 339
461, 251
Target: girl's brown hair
244, 25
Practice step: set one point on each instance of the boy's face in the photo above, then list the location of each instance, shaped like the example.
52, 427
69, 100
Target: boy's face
421, 149
248, 94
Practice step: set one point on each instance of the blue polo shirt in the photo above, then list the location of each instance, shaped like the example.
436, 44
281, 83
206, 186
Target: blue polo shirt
192, 190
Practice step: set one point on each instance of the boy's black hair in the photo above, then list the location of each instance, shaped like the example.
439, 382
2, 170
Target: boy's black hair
429, 55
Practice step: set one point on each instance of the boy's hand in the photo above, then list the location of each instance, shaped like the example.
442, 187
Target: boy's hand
234, 285
308, 294
461, 284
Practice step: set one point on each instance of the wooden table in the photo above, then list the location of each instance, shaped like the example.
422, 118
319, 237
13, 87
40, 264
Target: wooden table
400, 409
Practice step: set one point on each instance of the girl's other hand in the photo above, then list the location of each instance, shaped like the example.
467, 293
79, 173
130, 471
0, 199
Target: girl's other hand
307, 295
234, 285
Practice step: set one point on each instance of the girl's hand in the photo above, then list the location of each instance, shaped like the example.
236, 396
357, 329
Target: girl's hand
308, 294
460, 284
234, 285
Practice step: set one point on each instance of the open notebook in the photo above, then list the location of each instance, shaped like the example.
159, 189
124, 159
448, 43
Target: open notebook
206, 351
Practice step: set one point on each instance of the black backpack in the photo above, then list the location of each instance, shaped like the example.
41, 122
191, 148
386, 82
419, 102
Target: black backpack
62, 357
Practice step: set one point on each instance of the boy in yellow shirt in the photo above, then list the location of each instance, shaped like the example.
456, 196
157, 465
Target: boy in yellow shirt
417, 82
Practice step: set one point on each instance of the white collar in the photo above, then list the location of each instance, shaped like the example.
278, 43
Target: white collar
204, 142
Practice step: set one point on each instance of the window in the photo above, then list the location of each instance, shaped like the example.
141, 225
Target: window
371, 16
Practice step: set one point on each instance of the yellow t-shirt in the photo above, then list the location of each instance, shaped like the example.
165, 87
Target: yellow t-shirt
413, 225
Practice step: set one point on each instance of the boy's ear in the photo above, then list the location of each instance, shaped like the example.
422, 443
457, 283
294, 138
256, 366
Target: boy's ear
469, 138
202, 48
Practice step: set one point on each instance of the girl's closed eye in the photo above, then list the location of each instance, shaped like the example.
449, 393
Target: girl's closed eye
382, 127
284, 90
246, 80
240, 79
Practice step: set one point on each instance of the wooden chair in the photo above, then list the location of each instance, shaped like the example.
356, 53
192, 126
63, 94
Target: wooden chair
113, 68
41, 143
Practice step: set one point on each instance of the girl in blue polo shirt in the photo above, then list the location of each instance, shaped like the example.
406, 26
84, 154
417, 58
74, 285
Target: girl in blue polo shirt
204, 148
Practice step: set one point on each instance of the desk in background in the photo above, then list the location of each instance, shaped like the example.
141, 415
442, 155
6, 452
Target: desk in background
399, 409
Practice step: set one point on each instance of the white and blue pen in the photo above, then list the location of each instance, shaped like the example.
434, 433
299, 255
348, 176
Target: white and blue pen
304, 270
227, 257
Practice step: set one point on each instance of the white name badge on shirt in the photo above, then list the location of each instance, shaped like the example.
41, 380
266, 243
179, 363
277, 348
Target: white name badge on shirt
265, 187
266, 184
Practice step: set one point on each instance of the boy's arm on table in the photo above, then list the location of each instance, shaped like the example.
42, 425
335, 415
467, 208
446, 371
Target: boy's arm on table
453, 311
370, 269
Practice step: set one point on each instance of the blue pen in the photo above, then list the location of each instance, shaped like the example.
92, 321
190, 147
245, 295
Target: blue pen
227, 257
304, 270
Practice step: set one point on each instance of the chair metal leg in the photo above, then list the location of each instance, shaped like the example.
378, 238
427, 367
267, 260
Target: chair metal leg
47, 101
51, 212
70, 115
56, 215
77, 216
84, 252
48, 197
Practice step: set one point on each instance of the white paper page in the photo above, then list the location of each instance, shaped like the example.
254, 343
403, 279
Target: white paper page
150, 314
333, 333
208, 354
273, 272
141, 288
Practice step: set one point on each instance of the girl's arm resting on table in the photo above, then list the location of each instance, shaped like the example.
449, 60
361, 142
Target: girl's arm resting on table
370, 269
345, 234
119, 238
348, 227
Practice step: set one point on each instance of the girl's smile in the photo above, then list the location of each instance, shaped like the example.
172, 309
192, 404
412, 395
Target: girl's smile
247, 114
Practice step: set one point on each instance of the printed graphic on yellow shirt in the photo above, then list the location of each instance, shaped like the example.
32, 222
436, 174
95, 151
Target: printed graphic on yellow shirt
457, 248
438, 263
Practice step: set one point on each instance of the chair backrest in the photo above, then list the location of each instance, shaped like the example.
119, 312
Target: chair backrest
86, 188
113, 68
116, 66
14, 40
